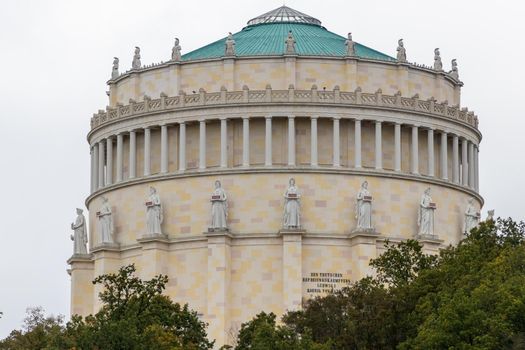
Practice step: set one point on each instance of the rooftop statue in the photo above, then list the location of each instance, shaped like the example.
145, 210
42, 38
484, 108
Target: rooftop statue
490, 215
364, 209
219, 208
154, 215
136, 59
292, 206
114, 70
471, 217
350, 45
105, 222
438, 65
175, 51
401, 51
454, 72
425, 217
290, 43
229, 46
79, 237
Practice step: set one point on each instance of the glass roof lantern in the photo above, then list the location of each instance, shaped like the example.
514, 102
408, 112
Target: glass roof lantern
284, 14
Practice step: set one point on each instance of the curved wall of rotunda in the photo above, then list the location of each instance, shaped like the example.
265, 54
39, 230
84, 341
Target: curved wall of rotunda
253, 122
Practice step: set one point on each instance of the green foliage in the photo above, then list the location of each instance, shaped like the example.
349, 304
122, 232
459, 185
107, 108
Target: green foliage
38, 332
262, 333
134, 316
471, 296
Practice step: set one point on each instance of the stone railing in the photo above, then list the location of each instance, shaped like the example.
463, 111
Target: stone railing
312, 96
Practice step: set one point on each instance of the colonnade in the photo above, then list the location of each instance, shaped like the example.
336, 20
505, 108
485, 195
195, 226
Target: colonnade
464, 163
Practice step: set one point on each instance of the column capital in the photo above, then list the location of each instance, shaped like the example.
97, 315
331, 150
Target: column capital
336, 118
223, 118
267, 117
378, 121
314, 117
182, 122
291, 117
245, 117
202, 121
398, 123
357, 119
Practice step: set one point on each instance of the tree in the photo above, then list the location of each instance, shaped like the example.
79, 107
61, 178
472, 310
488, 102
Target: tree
262, 333
38, 332
135, 315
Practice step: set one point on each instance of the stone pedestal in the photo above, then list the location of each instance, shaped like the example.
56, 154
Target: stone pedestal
107, 259
431, 243
218, 291
363, 245
292, 268
81, 272
154, 255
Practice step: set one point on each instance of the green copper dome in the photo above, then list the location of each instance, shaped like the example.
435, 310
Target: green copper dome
266, 34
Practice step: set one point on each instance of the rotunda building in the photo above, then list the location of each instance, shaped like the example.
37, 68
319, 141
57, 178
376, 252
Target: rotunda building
192, 165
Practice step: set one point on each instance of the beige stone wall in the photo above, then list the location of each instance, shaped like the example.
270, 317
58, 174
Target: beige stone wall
256, 205
228, 280
256, 73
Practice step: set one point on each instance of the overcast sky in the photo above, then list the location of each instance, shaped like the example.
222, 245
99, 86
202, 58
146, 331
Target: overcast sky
56, 57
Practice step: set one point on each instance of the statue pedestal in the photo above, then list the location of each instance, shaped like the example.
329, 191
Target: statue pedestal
431, 243
211, 229
364, 231
106, 246
148, 238
292, 231
79, 258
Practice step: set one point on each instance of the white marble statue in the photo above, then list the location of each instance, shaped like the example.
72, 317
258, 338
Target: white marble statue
490, 215
79, 236
471, 217
364, 208
219, 208
438, 65
425, 218
154, 215
175, 51
136, 59
454, 72
105, 222
229, 49
290, 43
401, 51
114, 70
350, 45
292, 206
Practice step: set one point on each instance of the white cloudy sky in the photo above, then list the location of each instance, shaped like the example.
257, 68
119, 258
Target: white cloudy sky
56, 55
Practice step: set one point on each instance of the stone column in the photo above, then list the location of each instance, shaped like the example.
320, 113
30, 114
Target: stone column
202, 144
471, 165
182, 146
147, 151
245, 141
444, 155
430, 146
132, 154
379, 148
397, 147
224, 143
94, 169
414, 169
164, 149
218, 290
336, 162
291, 141
101, 163
292, 271
476, 159
455, 159
464, 161
313, 141
268, 142
357, 148
109, 162
120, 142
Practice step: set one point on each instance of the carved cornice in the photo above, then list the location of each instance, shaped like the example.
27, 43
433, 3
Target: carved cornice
291, 96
